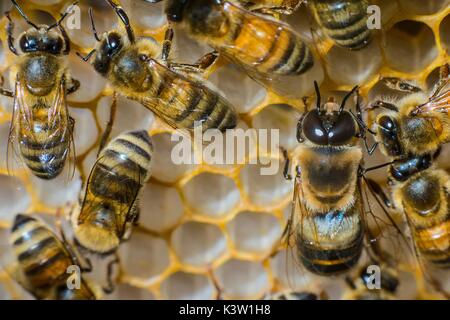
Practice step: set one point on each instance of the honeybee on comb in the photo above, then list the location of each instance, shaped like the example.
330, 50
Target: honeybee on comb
41, 127
43, 262
134, 69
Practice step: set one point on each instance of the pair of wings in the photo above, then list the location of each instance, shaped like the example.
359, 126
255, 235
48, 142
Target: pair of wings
439, 100
23, 113
375, 227
120, 187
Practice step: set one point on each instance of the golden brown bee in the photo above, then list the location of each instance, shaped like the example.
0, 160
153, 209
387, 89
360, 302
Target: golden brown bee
110, 203
327, 215
264, 47
411, 132
343, 21
41, 124
132, 67
43, 261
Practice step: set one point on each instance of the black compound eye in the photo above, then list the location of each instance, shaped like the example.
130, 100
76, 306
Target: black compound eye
174, 10
114, 43
313, 129
28, 44
343, 130
56, 46
389, 135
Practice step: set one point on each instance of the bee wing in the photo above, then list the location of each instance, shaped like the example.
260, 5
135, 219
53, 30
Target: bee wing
21, 110
119, 184
169, 111
381, 227
438, 102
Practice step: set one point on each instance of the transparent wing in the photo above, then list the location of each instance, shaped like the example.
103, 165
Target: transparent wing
439, 101
116, 186
178, 100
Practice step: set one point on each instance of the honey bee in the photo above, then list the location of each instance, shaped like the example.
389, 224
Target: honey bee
110, 203
327, 218
411, 131
43, 262
41, 123
265, 48
134, 70
343, 21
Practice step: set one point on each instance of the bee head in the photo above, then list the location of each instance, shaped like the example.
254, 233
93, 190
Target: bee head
41, 40
389, 134
202, 16
108, 47
330, 124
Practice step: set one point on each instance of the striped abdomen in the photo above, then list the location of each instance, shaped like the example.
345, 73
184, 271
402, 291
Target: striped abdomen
264, 45
187, 102
123, 167
330, 243
345, 22
45, 144
43, 258
426, 204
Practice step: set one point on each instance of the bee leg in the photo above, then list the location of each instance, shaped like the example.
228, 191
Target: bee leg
200, 66
87, 57
287, 164
167, 44
74, 87
378, 190
109, 125
109, 277
382, 104
10, 30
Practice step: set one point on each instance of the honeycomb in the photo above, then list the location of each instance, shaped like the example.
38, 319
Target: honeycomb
203, 226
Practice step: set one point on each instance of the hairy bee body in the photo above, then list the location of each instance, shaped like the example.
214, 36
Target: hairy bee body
331, 241
411, 131
110, 203
327, 212
135, 71
257, 43
41, 124
345, 22
44, 261
175, 98
43, 144
425, 199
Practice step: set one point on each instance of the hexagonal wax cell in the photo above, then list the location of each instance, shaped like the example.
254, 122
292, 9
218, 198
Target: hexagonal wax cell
14, 197
161, 207
282, 117
186, 286
265, 184
144, 256
254, 232
212, 195
85, 131
239, 279
198, 244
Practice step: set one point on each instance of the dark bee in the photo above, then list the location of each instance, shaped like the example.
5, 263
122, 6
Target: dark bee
411, 131
43, 261
327, 215
41, 124
132, 67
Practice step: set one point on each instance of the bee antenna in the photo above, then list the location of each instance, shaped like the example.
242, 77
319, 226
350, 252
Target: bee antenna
318, 104
16, 5
94, 30
124, 18
63, 16
344, 101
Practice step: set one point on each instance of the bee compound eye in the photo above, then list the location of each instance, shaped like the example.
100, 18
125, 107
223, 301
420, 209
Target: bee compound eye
313, 128
343, 130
